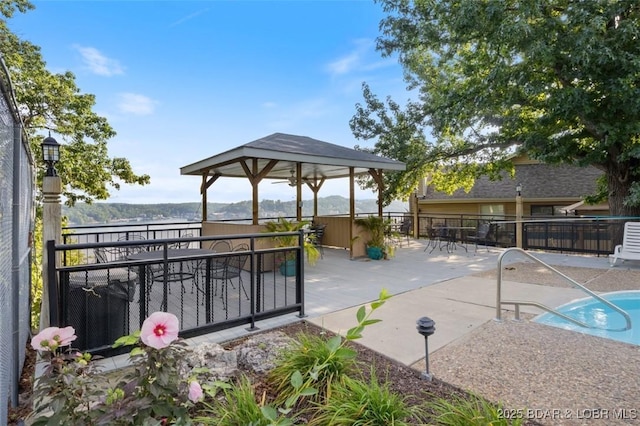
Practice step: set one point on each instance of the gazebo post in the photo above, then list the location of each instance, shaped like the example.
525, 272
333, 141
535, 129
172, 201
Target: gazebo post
254, 186
380, 190
352, 209
203, 192
299, 191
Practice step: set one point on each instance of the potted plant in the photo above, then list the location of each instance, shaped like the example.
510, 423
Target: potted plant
287, 259
377, 227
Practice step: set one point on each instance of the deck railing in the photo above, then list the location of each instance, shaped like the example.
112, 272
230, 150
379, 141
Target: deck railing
589, 235
104, 298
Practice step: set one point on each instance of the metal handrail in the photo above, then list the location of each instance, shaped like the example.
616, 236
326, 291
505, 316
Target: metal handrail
571, 281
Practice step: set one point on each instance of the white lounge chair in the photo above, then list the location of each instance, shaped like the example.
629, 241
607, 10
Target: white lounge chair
630, 248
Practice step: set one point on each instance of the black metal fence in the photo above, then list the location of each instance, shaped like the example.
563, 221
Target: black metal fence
588, 235
110, 293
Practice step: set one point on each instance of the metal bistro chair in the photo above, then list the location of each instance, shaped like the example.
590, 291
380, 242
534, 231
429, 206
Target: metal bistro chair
176, 272
442, 236
405, 230
317, 236
216, 266
182, 244
232, 268
236, 265
481, 235
123, 252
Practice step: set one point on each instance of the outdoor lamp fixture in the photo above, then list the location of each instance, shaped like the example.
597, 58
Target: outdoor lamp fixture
519, 189
50, 154
426, 326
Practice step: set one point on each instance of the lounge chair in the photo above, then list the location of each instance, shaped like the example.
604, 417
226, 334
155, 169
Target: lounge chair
630, 247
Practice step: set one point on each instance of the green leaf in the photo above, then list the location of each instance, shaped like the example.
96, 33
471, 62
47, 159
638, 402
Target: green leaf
269, 413
355, 333
346, 353
361, 314
125, 341
309, 391
296, 379
371, 321
376, 305
290, 402
136, 351
334, 343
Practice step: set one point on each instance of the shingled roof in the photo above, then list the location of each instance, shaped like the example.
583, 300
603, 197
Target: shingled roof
544, 181
318, 158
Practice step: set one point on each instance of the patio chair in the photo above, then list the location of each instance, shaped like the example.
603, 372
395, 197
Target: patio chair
232, 268
100, 255
236, 265
442, 235
630, 247
216, 266
481, 235
317, 236
182, 244
123, 252
405, 230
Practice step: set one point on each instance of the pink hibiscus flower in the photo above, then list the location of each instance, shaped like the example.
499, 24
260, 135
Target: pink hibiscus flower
195, 391
50, 338
159, 330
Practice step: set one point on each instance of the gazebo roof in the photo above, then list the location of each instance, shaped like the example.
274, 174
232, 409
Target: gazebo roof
318, 159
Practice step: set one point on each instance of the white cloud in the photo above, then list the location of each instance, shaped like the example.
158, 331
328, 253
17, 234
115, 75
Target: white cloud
98, 63
345, 64
188, 18
136, 104
356, 60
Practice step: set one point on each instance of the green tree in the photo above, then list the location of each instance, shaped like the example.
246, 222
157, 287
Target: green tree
49, 101
557, 80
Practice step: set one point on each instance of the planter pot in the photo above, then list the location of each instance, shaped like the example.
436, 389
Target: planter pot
375, 253
288, 268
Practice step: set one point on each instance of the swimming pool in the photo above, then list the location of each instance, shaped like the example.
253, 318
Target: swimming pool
596, 314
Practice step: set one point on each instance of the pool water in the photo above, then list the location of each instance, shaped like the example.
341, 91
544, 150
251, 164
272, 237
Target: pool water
596, 314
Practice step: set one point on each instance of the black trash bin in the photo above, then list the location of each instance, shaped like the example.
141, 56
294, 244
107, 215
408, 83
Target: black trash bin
98, 306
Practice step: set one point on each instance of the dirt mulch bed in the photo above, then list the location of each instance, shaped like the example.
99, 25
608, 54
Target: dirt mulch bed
401, 379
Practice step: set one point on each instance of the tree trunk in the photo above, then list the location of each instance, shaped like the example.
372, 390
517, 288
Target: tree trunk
619, 184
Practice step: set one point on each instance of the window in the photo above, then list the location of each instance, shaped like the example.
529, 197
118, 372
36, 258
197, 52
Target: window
492, 211
542, 210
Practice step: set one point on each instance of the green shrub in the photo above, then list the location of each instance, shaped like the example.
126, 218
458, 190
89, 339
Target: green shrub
354, 402
310, 369
317, 359
468, 411
236, 406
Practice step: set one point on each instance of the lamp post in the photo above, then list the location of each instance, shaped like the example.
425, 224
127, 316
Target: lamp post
519, 215
51, 218
50, 154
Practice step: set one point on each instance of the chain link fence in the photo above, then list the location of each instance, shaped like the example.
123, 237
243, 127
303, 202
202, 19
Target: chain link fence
16, 224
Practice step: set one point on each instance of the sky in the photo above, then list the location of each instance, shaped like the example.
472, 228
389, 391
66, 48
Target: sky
181, 81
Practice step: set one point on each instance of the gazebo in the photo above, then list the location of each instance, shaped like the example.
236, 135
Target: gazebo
300, 160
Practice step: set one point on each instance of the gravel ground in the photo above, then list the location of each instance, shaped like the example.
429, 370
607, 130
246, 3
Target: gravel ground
554, 376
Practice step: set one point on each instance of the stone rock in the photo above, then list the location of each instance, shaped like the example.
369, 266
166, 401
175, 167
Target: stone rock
259, 353
222, 364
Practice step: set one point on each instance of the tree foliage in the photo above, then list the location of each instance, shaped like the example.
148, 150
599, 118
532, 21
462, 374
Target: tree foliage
52, 101
557, 80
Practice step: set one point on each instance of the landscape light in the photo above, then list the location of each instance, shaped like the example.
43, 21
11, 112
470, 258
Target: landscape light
426, 326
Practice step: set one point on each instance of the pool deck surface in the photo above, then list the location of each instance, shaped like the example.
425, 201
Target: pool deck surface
561, 377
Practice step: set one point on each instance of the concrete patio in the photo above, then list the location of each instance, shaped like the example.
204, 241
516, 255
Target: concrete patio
439, 285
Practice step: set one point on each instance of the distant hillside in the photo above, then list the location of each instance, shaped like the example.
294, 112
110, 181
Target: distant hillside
83, 214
